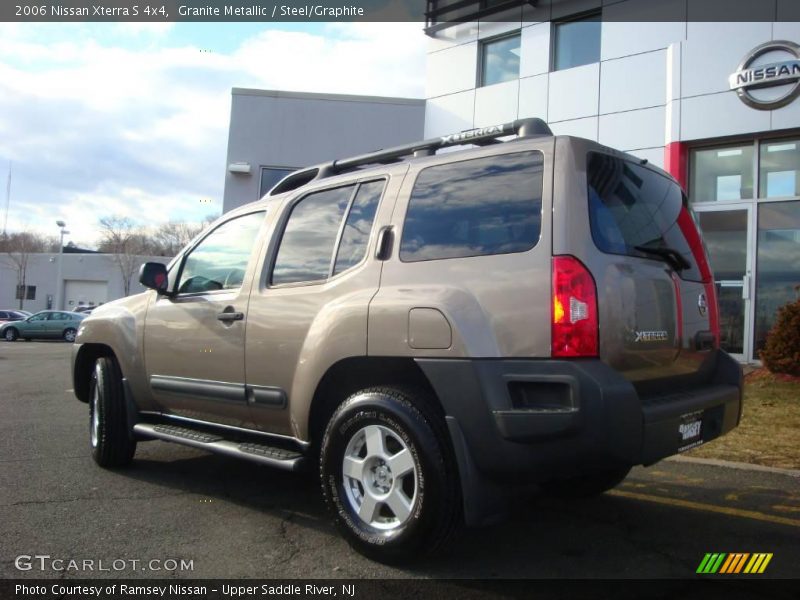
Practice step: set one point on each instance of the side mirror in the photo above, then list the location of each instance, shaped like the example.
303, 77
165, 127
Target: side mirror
153, 275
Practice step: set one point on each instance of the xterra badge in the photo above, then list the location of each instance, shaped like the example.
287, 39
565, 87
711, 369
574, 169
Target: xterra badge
650, 336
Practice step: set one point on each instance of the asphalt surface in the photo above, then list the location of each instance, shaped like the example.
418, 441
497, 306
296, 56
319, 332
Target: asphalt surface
234, 519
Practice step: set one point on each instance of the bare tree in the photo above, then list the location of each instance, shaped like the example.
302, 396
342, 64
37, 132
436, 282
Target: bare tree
171, 237
174, 235
17, 248
126, 240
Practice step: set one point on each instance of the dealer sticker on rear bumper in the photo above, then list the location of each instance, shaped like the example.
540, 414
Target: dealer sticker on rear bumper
690, 431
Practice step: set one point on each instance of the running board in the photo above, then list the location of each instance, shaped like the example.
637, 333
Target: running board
260, 453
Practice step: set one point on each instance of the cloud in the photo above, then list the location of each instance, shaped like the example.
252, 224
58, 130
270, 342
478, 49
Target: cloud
134, 120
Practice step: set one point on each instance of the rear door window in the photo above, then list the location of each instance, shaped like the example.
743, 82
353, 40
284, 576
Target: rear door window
475, 207
634, 211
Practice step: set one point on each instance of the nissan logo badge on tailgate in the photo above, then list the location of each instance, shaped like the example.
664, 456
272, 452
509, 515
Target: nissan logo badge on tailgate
702, 305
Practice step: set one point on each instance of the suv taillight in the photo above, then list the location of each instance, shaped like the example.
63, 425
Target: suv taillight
574, 312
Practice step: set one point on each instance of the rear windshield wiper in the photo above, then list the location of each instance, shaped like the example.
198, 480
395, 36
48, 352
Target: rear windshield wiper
672, 256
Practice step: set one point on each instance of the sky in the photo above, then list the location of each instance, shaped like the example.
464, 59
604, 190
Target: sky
131, 119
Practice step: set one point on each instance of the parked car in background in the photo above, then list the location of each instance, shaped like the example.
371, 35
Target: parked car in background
12, 315
46, 324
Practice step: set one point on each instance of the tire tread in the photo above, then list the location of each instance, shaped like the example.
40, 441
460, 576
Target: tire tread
114, 447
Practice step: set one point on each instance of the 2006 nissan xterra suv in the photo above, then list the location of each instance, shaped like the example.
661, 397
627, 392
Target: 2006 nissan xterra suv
431, 330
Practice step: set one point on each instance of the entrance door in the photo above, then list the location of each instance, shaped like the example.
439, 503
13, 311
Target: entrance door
727, 233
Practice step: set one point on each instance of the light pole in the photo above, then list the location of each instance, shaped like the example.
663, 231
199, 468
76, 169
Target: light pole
59, 283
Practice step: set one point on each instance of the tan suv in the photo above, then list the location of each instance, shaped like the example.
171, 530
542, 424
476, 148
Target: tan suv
432, 330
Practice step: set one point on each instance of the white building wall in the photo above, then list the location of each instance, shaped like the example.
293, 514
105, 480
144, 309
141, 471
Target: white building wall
91, 270
656, 82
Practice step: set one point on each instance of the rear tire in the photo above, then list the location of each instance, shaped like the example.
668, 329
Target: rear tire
69, 335
109, 437
592, 483
389, 476
10, 334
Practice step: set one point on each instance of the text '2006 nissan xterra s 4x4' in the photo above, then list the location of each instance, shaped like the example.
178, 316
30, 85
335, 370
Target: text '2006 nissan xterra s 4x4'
428, 330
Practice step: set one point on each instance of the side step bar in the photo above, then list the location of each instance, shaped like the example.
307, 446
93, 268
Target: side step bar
280, 458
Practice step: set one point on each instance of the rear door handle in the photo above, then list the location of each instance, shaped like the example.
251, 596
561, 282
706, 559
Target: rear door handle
228, 316
383, 250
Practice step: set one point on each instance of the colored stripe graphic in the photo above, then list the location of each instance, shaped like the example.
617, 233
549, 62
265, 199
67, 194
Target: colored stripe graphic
715, 567
727, 564
755, 562
703, 563
758, 563
711, 562
734, 563
740, 563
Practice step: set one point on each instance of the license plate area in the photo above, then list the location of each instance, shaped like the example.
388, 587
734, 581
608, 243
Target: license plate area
690, 431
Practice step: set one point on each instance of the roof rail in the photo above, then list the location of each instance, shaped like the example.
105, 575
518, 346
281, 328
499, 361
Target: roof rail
481, 136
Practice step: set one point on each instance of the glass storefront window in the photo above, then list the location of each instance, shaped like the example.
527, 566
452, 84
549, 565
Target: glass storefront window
778, 263
725, 234
779, 175
720, 174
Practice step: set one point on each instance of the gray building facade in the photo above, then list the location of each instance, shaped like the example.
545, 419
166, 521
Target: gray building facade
88, 279
273, 133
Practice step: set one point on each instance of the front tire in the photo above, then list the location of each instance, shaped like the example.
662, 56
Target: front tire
389, 476
109, 438
10, 334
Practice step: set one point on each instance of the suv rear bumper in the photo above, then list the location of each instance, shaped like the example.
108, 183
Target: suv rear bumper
529, 421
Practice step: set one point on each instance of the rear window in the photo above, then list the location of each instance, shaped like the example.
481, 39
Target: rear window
631, 205
475, 207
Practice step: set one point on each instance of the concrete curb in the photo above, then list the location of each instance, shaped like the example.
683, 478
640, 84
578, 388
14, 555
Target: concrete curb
735, 465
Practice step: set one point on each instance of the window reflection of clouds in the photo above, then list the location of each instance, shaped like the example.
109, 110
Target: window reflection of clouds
475, 207
778, 254
307, 244
358, 226
630, 205
225, 251
500, 60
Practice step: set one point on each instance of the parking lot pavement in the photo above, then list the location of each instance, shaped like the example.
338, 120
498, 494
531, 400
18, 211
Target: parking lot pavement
233, 519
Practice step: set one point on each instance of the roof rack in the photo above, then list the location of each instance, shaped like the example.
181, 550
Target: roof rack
481, 136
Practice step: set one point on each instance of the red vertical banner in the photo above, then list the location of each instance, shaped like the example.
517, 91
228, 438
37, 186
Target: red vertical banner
676, 162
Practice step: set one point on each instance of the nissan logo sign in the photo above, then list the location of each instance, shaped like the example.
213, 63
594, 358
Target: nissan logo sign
769, 76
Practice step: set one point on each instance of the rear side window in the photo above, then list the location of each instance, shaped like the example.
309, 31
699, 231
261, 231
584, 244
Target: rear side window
356, 232
310, 236
633, 207
330, 221
475, 207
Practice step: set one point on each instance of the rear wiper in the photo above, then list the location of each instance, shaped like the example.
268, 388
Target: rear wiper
672, 256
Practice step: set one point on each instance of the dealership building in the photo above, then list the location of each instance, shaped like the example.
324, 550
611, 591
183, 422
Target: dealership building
715, 104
